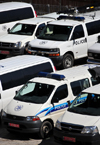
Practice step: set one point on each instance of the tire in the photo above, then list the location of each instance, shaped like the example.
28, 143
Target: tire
45, 130
68, 61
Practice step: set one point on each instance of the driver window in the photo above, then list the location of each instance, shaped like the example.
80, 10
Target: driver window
78, 32
40, 28
61, 92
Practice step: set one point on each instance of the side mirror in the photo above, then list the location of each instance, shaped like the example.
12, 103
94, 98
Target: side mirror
8, 30
68, 103
16, 92
54, 100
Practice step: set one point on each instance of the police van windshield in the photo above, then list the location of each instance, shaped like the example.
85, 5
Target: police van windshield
56, 32
34, 93
86, 103
22, 29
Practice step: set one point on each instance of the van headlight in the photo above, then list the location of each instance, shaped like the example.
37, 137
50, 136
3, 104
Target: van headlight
4, 114
32, 118
58, 125
90, 54
18, 44
90, 129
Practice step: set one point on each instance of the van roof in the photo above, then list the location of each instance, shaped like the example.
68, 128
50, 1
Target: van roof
75, 72
12, 5
16, 62
94, 89
71, 74
35, 21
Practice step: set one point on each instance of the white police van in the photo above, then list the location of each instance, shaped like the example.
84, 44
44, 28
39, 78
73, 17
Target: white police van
16, 71
38, 104
80, 124
67, 38
12, 12
16, 40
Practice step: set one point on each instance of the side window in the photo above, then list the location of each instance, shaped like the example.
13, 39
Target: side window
40, 28
79, 85
61, 92
95, 81
20, 77
93, 27
78, 32
15, 15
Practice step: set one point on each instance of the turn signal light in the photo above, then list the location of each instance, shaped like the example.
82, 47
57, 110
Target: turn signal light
54, 54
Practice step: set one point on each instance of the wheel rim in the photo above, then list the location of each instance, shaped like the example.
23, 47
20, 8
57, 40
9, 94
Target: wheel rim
46, 129
68, 62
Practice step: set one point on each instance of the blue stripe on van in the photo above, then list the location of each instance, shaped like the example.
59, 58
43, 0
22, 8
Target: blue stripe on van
42, 111
59, 107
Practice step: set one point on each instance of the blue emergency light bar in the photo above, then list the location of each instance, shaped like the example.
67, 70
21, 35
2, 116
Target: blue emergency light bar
52, 76
71, 18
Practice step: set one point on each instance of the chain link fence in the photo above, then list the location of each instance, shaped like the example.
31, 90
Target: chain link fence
44, 9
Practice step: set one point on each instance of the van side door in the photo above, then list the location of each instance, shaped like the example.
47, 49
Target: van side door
79, 42
59, 102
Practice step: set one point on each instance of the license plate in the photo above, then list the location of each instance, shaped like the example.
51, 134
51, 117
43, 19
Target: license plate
4, 52
14, 125
71, 139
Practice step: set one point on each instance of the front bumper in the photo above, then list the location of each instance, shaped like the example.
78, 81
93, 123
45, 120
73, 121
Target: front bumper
24, 126
11, 51
77, 137
57, 60
93, 61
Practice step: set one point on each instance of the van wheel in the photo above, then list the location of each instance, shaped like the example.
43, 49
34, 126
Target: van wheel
45, 129
68, 61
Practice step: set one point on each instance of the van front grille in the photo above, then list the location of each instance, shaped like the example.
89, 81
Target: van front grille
67, 127
3, 44
14, 117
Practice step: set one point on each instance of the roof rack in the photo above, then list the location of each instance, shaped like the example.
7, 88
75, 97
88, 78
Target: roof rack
83, 9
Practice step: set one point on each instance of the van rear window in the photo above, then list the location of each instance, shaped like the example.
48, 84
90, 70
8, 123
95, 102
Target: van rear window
15, 15
19, 77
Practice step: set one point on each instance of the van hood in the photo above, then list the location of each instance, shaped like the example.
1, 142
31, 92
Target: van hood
20, 108
45, 44
11, 38
80, 119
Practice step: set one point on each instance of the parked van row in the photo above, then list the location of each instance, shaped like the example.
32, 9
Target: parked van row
42, 100
67, 38
15, 42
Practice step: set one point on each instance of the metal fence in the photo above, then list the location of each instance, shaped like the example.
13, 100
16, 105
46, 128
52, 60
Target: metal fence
44, 9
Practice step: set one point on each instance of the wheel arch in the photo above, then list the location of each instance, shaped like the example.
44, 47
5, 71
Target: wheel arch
50, 120
70, 52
